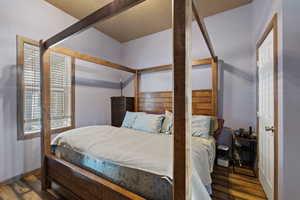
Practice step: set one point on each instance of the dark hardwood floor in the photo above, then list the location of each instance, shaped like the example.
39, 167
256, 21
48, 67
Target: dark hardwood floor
230, 186
226, 186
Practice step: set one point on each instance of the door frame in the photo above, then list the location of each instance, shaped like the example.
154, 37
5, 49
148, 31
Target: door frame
273, 25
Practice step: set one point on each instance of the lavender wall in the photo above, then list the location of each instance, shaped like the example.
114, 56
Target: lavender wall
37, 19
231, 33
95, 84
291, 98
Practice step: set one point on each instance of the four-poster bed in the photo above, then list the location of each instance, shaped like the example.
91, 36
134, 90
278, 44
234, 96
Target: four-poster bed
87, 185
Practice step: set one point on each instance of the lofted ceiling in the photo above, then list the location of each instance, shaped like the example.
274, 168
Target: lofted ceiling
146, 18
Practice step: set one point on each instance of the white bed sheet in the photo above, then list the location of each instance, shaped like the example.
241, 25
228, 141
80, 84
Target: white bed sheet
140, 150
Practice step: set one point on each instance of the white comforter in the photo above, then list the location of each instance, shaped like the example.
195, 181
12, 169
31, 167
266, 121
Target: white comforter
148, 152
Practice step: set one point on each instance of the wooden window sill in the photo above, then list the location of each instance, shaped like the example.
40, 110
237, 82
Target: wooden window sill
37, 134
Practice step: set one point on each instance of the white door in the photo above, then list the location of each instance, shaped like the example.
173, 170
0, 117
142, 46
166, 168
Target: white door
266, 114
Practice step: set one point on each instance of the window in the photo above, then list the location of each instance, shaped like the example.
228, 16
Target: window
29, 97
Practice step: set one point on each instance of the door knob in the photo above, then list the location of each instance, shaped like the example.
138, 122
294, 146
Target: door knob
268, 128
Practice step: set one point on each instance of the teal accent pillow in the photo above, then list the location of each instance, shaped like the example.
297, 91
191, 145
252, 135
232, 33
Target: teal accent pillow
148, 123
130, 118
167, 123
201, 126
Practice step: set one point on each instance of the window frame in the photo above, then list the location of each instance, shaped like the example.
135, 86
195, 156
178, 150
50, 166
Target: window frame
20, 90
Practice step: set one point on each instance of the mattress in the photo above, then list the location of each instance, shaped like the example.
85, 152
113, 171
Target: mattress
138, 161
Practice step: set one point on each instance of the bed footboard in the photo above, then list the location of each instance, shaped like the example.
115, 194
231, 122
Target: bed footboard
84, 184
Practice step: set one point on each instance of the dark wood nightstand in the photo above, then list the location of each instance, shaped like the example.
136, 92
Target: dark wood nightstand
119, 106
246, 150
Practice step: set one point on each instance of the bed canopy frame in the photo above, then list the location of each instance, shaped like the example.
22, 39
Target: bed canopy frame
204, 102
86, 185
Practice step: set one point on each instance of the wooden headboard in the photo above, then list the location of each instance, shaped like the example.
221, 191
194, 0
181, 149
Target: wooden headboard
158, 102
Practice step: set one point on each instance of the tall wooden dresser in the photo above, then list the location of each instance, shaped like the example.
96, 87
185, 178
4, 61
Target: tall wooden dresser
119, 106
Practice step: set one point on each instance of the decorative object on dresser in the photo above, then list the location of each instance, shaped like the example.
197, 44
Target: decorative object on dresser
119, 106
245, 134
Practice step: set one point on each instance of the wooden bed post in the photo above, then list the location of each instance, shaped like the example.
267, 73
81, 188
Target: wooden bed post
182, 107
45, 113
136, 90
215, 85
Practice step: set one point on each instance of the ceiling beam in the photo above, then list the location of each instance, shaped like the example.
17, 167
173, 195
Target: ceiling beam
108, 11
203, 29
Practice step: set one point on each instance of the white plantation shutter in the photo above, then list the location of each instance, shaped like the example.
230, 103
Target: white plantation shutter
61, 85
61, 90
31, 77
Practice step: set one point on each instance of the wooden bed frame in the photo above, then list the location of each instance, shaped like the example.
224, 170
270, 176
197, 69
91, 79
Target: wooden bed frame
86, 185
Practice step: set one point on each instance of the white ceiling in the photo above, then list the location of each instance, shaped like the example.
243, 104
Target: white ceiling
146, 18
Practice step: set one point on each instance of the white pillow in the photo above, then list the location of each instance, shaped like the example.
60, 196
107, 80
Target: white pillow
201, 126
167, 123
148, 122
130, 118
